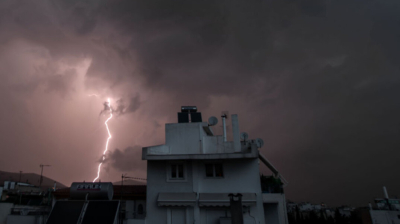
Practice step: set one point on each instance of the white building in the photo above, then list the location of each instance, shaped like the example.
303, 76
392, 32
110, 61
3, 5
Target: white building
190, 177
22, 203
387, 211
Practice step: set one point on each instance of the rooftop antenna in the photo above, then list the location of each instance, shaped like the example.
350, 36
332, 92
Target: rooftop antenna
41, 174
123, 177
224, 115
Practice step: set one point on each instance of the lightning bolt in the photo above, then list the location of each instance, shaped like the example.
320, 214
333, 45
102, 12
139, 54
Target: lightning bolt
108, 140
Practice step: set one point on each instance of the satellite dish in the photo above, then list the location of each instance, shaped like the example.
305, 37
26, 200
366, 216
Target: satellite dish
244, 136
212, 121
259, 142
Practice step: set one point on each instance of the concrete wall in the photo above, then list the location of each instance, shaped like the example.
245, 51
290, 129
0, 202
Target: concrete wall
213, 215
189, 143
24, 219
137, 212
222, 215
216, 144
275, 208
157, 182
129, 209
179, 215
5, 210
135, 221
132, 209
190, 138
240, 175
184, 138
385, 217
271, 213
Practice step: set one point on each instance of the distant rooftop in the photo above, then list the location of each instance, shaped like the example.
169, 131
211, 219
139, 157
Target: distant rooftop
126, 192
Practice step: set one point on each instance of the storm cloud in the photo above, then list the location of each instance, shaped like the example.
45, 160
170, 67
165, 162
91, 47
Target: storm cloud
318, 80
127, 159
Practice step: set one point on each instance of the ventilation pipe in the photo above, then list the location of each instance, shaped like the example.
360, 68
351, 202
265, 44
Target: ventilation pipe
385, 193
387, 198
224, 125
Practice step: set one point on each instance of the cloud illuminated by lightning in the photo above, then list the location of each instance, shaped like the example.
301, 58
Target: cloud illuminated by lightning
108, 139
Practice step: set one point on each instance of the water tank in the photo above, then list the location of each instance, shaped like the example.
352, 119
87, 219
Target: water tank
94, 191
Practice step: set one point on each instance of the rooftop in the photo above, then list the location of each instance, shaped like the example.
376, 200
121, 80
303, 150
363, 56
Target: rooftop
127, 192
187, 140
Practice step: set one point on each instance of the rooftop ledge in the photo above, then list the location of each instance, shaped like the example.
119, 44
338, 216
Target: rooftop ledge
162, 152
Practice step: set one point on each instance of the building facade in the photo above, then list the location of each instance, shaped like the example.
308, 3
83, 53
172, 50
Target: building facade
190, 177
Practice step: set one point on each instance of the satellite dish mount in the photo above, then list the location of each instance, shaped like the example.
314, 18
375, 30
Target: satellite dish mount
259, 142
244, 136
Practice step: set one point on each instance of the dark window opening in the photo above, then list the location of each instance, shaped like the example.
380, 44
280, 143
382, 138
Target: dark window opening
218, 170
140, 209
173, 171
177, 171
209, 170
214, 170
180, 171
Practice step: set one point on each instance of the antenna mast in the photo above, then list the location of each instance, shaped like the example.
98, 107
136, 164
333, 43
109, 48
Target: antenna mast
41, 174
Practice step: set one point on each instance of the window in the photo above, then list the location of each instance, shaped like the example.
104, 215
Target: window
176, 171
209, 170
214, 170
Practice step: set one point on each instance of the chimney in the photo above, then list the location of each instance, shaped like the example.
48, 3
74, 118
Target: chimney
236, 133
236, 208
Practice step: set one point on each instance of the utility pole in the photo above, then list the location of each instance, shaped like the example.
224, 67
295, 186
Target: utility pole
20, 173
41, 174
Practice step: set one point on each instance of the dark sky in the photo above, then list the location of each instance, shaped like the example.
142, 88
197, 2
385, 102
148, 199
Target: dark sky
318, 80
